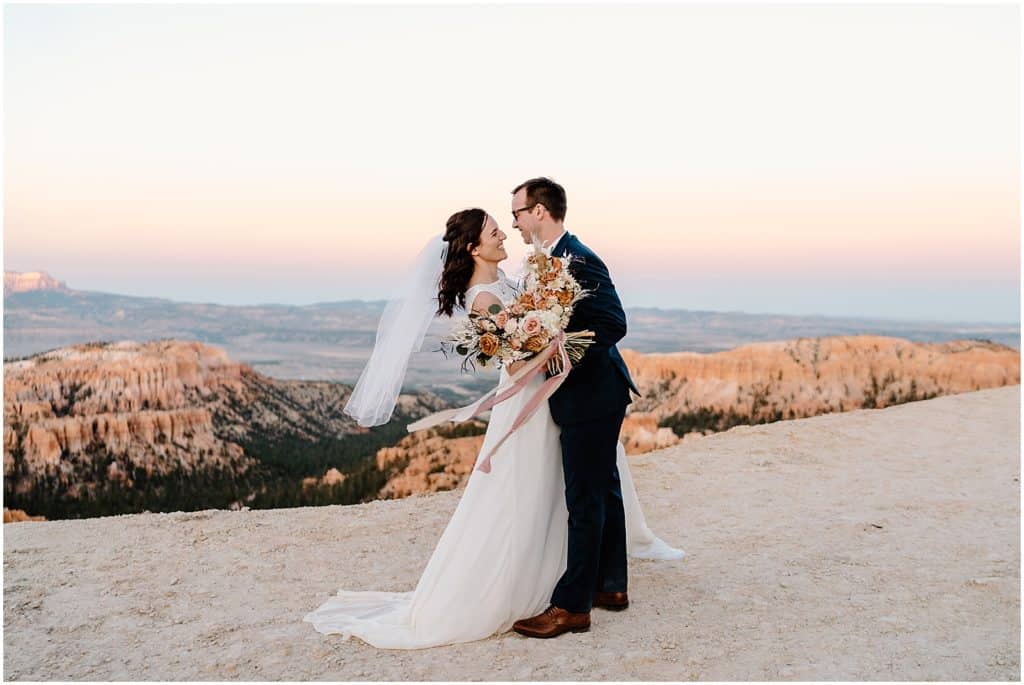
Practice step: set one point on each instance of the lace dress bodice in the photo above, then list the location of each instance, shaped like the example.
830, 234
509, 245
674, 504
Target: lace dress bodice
503, 288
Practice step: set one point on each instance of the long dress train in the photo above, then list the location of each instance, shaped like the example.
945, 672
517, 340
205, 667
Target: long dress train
500, 555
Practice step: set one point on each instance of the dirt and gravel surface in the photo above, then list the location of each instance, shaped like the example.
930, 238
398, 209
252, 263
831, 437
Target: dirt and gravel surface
874, 544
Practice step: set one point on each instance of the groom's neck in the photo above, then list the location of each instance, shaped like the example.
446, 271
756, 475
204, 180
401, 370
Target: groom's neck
549, 232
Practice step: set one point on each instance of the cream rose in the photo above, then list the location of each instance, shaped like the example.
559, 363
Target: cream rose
531, 326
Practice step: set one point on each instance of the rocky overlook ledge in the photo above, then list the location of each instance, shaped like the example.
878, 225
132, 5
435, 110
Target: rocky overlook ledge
875, 544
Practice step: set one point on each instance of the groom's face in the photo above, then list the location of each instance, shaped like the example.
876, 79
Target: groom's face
523, 219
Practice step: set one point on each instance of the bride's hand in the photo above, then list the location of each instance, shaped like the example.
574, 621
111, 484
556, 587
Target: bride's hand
515, 366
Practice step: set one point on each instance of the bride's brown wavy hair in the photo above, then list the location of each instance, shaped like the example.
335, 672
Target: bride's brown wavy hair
462, 230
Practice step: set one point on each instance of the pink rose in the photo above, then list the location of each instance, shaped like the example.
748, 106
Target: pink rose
501, 319
531, 325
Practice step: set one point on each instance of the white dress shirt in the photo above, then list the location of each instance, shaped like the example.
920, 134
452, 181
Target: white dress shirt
546, 249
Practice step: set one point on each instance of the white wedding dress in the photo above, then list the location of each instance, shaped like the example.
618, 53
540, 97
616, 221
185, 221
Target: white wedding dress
504, 549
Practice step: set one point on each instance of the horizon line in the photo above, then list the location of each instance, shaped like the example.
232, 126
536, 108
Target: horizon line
625, 306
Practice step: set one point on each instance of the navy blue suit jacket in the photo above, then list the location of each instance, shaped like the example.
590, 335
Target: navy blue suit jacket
599, 383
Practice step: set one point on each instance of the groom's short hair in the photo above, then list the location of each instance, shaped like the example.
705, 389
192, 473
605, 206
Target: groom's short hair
543, 190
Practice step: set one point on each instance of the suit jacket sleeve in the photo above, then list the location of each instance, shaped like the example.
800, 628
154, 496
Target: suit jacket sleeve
600, 311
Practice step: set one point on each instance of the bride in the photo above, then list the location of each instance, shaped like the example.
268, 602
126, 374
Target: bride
505, 547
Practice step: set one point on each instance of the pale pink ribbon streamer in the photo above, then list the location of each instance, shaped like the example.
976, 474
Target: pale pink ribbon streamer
514, 384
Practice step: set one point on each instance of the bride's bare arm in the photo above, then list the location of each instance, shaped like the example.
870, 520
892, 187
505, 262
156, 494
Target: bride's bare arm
482, 302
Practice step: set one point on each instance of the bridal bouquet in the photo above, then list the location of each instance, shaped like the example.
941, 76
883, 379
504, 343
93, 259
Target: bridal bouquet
523, 328
530, 328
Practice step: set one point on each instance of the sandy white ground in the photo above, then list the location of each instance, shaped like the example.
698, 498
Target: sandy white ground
875, 544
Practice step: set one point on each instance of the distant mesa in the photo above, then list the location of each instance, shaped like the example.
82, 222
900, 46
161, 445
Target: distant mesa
26, 281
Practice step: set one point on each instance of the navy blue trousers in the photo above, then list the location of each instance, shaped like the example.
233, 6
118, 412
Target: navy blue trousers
596, 560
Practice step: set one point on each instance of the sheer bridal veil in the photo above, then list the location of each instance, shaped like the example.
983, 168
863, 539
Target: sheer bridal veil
401, 330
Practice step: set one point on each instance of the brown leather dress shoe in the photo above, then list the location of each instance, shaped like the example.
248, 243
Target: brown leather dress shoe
552, 623
614, 601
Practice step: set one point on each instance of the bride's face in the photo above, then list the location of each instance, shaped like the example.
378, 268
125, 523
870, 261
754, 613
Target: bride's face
492, 242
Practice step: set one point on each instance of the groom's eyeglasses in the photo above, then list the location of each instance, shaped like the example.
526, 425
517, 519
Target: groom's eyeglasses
515, 212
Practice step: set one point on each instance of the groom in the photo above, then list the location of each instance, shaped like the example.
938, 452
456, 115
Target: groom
589, 407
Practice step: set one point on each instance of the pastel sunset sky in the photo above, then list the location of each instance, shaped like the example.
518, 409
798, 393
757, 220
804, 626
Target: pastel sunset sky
804, 159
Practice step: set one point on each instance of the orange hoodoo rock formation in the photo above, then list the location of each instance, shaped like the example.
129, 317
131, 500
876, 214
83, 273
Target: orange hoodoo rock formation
427, 461
695, 393
17, 515
150, 406
811, 376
